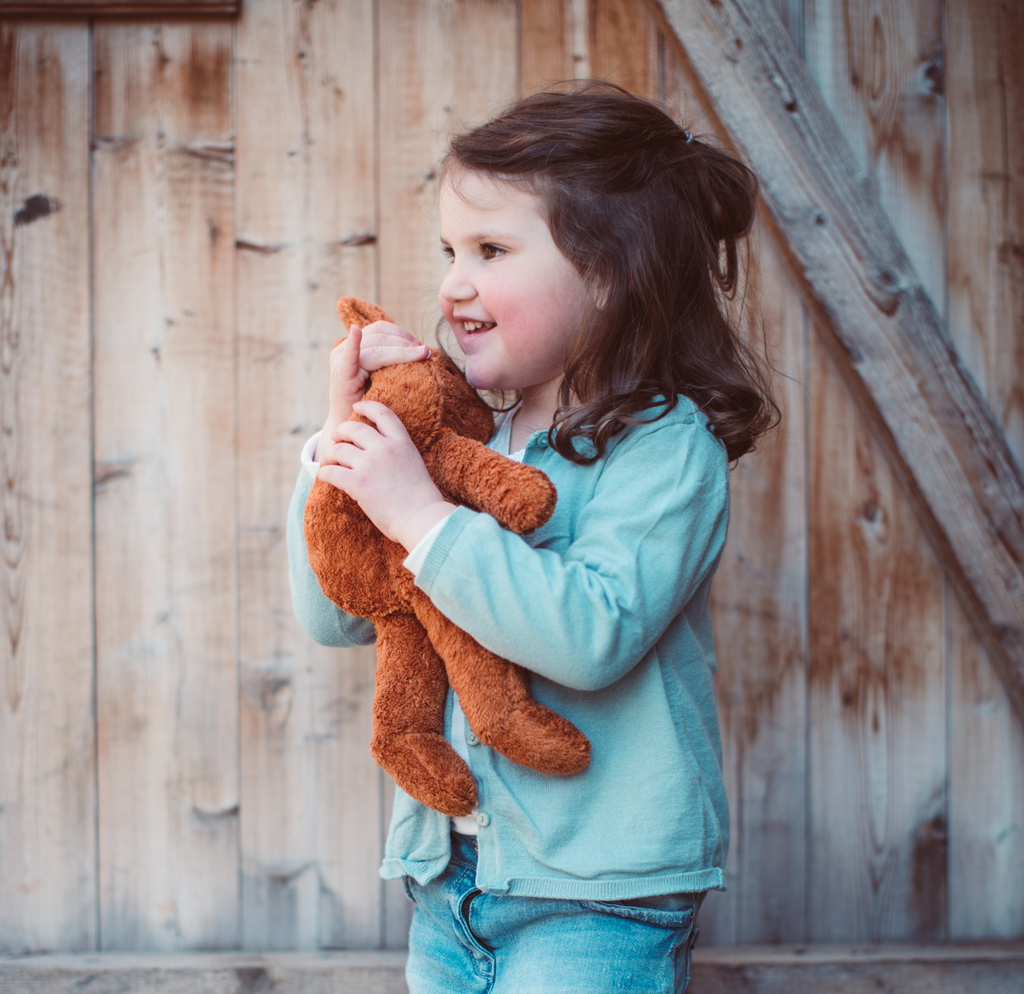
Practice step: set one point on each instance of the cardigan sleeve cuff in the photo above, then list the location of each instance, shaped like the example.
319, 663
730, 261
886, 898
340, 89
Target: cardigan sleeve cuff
447, 534
418, 556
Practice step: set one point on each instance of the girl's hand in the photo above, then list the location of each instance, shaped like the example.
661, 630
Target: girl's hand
382, 470
377, 345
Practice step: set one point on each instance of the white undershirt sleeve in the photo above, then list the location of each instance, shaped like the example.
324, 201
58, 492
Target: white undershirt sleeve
308, 451
418, 556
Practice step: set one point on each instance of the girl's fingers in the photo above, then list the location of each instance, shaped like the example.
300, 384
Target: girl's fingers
388, 423
355, 432
384, 338
351, 343
332, 474
385, 329
345, 357
386, 344
372, 358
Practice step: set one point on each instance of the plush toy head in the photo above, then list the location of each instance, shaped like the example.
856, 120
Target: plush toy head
419, 650
426, 395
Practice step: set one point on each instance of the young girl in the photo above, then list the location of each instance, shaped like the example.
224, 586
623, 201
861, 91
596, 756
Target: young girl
590, 243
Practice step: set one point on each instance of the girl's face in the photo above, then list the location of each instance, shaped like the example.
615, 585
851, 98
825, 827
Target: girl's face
512, 299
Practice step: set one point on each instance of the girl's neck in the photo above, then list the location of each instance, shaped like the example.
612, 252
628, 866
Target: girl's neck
536, 412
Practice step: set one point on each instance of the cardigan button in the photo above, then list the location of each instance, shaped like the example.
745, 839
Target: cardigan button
483, 819
471, 737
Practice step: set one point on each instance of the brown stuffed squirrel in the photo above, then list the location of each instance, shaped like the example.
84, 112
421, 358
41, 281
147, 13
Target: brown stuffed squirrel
419, 651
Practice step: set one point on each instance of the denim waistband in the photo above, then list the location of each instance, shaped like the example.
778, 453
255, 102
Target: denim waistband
464, 849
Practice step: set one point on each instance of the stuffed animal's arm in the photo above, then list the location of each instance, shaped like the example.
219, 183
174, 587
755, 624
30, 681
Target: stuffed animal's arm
321, 619
520, 498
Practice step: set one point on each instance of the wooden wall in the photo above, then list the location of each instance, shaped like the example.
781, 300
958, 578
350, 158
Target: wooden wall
182, 202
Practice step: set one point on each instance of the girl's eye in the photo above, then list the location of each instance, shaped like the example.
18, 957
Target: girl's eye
491, 251
448, 251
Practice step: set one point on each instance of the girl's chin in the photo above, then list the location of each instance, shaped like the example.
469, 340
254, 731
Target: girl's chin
481, 379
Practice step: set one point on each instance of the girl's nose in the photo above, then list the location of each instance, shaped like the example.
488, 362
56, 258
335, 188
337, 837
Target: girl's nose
455, 286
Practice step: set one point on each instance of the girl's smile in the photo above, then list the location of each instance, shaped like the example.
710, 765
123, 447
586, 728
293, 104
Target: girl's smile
512, 299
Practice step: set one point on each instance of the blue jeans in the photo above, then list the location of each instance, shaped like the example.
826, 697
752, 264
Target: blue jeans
465, 941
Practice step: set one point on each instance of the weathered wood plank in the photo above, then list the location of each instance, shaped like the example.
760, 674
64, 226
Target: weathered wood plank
967, 969
878, 693
311, 827
792, 15
877, 832
624, 45
890, 969
881, 326
986, 796
166, 554
545, 45
878, 67
759, 613
985, 160
682, 98
759, 607
47, 774
65, 8
375, 972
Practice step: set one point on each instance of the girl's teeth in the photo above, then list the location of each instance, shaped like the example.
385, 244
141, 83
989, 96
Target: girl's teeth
475, 325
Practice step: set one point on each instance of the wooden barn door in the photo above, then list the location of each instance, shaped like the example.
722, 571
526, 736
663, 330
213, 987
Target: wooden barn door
183, 199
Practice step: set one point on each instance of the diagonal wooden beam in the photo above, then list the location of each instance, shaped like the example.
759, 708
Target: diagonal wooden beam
880, 324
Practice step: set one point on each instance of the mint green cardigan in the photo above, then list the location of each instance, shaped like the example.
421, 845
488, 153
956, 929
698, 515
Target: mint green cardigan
608, 606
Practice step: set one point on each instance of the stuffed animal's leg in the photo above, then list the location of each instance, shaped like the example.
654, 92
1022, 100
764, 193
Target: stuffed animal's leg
408, 719
495, 696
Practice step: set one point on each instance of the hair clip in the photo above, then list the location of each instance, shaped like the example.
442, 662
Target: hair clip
688, 137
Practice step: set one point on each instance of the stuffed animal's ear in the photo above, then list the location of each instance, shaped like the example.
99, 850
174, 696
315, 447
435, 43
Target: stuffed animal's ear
352, 311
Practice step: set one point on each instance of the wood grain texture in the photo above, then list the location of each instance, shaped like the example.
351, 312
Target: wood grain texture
990, 968
986, 795
166, 555
792, 14
985, 161
623, 46
545, 43
887, 969
759, 603
119, 8
615, 40
985, 164
881, 326
759, 614
311, 831
877, 833
47, 775
879, 69
374, 972
683, 98
868, 60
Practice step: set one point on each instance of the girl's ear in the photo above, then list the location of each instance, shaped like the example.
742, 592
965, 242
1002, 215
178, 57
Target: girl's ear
598, 288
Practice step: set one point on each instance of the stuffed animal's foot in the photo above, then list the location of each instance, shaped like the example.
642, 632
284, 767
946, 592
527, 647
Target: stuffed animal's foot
534, 736
426, 767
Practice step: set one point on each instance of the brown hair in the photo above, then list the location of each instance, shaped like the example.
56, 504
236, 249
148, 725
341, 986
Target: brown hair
651, 218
